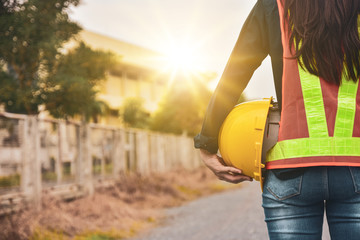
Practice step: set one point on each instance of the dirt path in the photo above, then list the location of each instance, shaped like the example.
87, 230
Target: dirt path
232, 215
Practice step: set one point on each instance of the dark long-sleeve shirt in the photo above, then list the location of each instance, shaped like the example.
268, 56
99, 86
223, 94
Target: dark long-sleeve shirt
260, 36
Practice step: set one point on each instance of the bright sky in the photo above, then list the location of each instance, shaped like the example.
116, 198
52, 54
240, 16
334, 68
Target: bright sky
205, 29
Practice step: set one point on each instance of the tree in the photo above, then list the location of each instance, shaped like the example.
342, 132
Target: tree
70, 90
134, 113
183, 106
36, 70
31, 34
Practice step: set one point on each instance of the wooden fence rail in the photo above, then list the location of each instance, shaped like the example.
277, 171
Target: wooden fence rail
69, 159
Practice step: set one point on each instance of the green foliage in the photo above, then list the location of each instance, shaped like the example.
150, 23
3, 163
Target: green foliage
134, 113
70, 90
85, 62
31, 33
14, 97
182, 108
10, 181
35, 70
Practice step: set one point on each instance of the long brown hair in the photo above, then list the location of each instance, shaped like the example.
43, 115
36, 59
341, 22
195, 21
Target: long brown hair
326, 37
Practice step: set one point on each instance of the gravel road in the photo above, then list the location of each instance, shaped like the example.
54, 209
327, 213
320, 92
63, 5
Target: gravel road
231, 215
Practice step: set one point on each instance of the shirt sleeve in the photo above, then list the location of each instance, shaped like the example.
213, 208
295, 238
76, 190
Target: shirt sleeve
249, 51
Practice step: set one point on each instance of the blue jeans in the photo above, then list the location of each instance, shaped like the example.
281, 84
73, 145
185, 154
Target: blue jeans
294, 205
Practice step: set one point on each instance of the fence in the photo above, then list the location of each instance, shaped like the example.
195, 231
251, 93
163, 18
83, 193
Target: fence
69, 158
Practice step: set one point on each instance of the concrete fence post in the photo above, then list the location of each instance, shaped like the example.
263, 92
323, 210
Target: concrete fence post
118, 152
152, 153
37, 163
171, 153
59, 159
31, 164
142, 152
132, 158
78, 163
122, 151
26, 186
183, 152
161, 155
103, 154
84, 166
115, 153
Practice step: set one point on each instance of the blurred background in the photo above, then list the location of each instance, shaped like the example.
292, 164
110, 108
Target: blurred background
95, 90
191, 42
145, 56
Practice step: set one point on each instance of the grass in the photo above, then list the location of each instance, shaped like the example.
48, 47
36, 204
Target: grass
126, 208
188, 191
102, 235
113, 234
41, 234
221, 186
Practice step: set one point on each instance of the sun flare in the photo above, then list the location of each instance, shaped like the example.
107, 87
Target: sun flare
184, 61
181, 59
184, 58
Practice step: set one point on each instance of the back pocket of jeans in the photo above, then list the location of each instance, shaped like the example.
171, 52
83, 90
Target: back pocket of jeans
283, 188
355, 174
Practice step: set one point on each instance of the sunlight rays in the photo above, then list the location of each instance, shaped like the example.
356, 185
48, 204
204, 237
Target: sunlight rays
182, 38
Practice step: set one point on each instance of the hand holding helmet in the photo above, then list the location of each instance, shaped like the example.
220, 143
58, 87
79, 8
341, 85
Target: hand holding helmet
225, 173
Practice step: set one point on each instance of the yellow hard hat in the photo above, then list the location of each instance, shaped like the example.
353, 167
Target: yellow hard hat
242, 133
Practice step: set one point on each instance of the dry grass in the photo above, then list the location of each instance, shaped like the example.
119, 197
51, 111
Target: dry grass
131, 205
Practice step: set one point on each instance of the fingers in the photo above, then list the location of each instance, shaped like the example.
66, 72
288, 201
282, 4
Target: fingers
225, 173
233, 178
231, 170
230, 174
